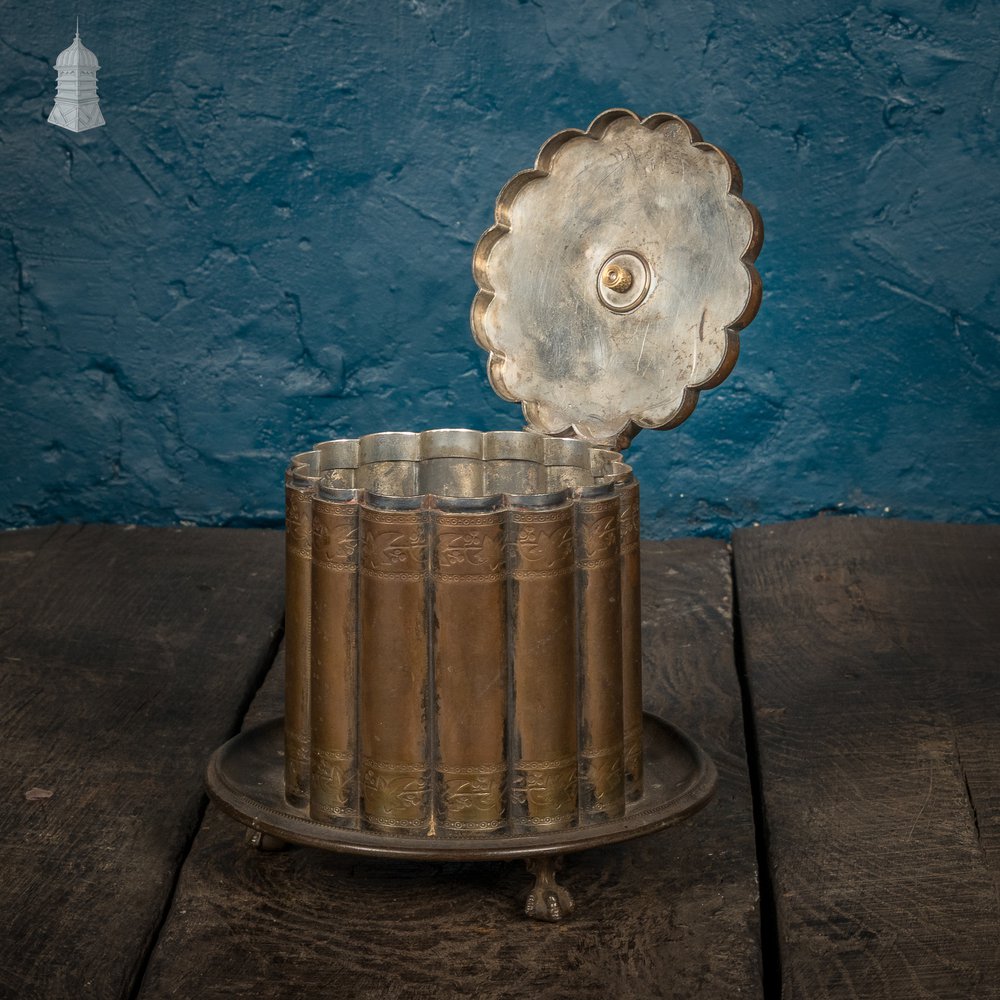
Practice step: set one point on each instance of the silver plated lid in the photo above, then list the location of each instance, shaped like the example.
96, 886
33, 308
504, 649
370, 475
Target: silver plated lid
617, 277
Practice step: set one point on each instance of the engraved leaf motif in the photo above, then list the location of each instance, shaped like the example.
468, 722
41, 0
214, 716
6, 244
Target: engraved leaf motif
606, 775
546, 788
536, 544
336, 787
405, 791
481, 792
393, 549
602, 535
336, 544
468, 548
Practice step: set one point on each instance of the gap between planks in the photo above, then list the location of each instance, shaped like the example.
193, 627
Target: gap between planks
770, 951
267, 665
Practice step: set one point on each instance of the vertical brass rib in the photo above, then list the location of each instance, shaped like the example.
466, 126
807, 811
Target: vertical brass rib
598, 580
631, 640
333, 786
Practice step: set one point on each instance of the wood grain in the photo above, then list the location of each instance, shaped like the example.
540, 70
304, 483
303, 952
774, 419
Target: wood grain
872, 650
126, 654
672, 915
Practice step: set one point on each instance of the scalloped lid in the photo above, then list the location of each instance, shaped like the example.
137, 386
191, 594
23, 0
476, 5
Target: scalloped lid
617, 277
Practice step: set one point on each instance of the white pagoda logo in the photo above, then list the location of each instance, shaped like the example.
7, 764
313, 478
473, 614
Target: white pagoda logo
77, 107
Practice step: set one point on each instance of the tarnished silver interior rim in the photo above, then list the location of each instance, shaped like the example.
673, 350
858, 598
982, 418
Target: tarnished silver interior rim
463, 468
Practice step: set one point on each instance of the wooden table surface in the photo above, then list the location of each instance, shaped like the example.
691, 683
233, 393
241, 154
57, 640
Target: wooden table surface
842, 672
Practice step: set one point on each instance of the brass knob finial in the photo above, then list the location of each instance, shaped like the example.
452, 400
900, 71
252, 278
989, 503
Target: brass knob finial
617, 278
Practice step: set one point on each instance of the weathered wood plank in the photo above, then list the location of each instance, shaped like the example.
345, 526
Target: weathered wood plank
673, 915
872, 652
126, 654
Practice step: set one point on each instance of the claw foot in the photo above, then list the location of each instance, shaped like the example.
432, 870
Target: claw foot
547, 900
261, 841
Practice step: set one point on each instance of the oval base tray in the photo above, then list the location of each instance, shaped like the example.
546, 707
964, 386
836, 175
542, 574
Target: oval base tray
246, 779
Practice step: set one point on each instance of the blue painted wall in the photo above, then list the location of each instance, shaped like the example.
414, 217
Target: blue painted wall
269, 244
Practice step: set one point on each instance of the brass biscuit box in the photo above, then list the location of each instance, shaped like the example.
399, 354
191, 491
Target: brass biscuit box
463, 616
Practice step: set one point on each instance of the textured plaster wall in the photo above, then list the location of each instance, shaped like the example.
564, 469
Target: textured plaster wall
269, 243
